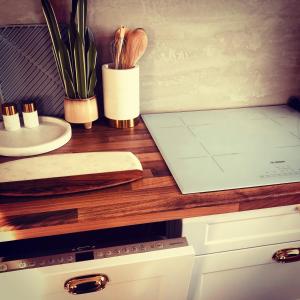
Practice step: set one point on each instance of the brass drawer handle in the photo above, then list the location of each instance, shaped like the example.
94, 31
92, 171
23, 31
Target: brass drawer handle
86, 284
287, 255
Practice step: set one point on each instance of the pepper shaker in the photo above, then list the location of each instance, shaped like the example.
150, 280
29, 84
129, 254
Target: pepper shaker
11, 118
30, 115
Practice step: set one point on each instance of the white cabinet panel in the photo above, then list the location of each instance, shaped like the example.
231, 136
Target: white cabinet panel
239, 230
156, 275
246, 274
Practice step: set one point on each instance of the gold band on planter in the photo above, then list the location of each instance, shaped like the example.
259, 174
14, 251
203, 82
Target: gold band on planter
123, 123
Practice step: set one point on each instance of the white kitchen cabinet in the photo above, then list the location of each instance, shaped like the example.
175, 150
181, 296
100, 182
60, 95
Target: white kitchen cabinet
234, 255
224, 232
157, 275
246, 274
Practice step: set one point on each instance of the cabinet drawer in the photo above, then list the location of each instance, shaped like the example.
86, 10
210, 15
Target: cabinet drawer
245, 274
150, 274
240, 230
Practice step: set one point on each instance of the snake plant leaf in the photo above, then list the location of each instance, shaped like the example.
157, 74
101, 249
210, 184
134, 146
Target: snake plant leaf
65, 59
67, 81
73, 12
51, 22
80, 67
76, 59
89, 38
92, 83
58, 64
70, 88
81, 17
91, 60
71, 40
53, 30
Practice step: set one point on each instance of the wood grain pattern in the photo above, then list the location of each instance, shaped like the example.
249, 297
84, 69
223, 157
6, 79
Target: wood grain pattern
156, 197
39, 220
68, 184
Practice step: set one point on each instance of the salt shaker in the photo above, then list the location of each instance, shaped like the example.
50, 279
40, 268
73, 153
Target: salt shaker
30, 114
11, 117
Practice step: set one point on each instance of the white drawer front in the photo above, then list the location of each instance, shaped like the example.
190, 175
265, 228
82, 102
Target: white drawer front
246, 274
158, 275
239, 230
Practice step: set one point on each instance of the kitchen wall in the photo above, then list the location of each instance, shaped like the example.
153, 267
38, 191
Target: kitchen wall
202, 54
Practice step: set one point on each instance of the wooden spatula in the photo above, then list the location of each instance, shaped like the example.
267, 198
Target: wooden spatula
118, 45
136, 42
68, 173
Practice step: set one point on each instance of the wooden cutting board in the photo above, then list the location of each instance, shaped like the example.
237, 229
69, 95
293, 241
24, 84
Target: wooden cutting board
68, 173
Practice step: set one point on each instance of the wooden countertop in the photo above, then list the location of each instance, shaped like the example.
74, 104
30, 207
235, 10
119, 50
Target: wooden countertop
154, 198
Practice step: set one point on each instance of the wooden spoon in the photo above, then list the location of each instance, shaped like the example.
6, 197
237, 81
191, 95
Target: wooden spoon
136, 42
120, 31
119, 44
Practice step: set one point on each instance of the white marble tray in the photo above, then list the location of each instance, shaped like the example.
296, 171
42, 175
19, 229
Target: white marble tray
66, 173
50, 135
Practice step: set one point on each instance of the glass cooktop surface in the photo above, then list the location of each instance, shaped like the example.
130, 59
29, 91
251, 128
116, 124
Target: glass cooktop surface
232, 148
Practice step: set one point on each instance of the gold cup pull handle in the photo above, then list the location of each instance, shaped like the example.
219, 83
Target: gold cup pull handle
287, 255
86, 284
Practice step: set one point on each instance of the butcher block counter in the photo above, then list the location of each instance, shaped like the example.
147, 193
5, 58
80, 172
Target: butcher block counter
154, 198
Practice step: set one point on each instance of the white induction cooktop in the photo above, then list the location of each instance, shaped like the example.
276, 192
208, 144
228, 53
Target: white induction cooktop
231, 148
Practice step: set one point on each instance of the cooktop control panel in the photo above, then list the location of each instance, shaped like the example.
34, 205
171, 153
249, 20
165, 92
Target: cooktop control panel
90, 253
230, 148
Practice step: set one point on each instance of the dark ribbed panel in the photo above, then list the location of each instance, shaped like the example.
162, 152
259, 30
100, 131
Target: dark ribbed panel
28, 69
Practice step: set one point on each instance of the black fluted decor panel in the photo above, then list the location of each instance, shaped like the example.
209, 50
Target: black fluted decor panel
28, 69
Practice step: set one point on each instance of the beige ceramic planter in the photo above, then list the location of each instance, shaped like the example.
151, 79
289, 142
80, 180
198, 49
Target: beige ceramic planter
81, 111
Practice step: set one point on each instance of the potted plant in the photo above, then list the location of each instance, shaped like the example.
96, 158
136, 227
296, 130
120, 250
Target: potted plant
76, 63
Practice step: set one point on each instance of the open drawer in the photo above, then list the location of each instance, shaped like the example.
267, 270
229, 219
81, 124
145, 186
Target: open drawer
150, 270
160, 270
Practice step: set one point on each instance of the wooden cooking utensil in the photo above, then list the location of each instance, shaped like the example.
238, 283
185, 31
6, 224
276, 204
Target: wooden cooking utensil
119, 44
136, 42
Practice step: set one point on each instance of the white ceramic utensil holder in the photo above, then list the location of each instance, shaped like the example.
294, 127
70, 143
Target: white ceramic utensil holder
121, 93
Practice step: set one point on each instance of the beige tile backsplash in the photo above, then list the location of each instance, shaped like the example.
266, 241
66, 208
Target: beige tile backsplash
202, 54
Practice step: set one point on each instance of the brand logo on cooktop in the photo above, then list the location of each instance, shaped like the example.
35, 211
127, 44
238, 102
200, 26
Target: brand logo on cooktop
277, 161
